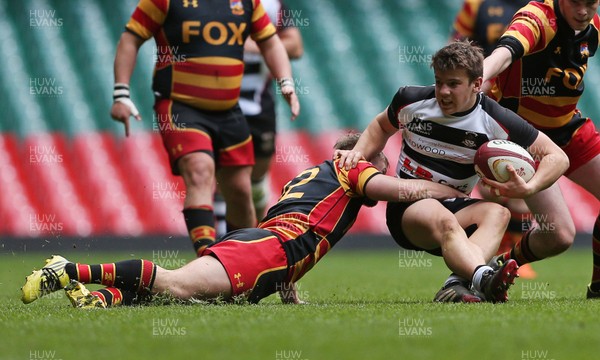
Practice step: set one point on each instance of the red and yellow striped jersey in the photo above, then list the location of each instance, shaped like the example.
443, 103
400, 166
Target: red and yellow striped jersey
316, 209
545, 80
199, 47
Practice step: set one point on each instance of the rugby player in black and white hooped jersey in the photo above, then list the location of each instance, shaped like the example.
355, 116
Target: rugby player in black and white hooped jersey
484, 22
442, 127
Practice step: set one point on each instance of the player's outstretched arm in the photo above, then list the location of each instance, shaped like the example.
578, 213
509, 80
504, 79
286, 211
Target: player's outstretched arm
125, 59
388, 188
277, 60
497, 62
553, 162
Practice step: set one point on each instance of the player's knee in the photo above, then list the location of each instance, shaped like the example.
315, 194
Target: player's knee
238, 191
448, 225
565, 236
557, 237
197, 170
500, 214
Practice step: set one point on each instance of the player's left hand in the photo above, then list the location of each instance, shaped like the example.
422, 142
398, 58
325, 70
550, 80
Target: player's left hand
515, 187
348, 158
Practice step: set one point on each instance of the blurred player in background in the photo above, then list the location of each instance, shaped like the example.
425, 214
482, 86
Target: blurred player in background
257, 101
442, 128
484, 21
315, 210
196, 83
537, 71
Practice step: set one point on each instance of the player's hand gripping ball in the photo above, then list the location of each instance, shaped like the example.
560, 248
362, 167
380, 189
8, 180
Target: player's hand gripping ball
492, 158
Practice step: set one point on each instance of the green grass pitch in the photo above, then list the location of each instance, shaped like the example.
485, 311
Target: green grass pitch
362, 305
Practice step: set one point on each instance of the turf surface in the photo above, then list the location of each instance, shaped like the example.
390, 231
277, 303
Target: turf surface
373, 305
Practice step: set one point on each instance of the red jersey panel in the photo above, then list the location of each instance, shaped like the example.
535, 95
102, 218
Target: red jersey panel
199, 47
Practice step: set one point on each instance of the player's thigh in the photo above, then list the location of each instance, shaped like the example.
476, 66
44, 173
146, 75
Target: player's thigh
549, 206
425, 222
587, 176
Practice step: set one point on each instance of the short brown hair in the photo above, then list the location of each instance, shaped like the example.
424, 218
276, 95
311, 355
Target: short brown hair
349, 140
459, 55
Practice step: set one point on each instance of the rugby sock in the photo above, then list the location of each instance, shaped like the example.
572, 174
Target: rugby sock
112, 296
521, 252
478, 276
260, 196
129, 275
200, 222
595, 285
517, 225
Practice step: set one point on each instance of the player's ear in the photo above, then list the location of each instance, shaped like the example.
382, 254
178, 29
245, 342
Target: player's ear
477, 84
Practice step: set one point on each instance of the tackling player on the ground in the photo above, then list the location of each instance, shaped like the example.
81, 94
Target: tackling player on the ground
315, 210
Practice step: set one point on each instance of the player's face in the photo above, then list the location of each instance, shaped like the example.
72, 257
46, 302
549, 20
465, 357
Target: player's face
454, 92
578, 13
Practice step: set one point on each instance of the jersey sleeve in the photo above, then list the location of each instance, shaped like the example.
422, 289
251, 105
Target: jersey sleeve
464, 23
262, 28
405, 96
147, 18
354, 180
518, 130
531, 30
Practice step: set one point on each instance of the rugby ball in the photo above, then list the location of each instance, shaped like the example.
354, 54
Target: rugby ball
492, 158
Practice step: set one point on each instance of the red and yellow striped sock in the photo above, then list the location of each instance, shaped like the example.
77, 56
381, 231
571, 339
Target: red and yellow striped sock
112, 296
520, 251
200, 223
129, 275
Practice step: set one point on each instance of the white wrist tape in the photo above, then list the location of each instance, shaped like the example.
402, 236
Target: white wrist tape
286, 82
121, 94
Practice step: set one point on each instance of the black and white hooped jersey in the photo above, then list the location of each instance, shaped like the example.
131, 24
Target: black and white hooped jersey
440, 147
256, 74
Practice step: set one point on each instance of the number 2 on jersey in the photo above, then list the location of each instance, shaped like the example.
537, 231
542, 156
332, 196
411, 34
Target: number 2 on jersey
288, 194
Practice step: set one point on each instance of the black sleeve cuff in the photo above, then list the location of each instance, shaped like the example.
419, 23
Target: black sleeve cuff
513, 45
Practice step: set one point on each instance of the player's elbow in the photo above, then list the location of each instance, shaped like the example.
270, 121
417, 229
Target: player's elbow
564, 161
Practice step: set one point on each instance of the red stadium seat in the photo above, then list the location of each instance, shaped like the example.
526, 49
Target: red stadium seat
111, 202
158, 194
17, 208
61, 210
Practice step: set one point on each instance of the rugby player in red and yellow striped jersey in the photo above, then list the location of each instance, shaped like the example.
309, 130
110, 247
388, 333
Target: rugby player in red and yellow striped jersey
315, 210
539, 66
197, 79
